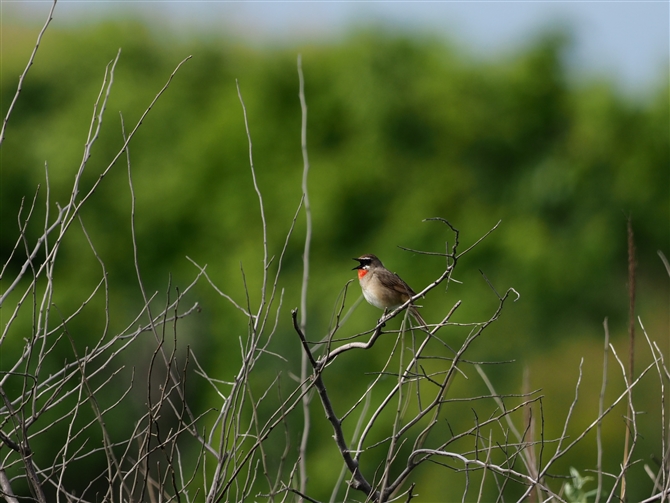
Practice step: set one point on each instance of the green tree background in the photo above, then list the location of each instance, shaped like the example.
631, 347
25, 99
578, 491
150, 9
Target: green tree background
401, 128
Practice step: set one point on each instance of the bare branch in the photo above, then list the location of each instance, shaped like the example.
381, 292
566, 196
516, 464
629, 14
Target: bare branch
31, 59
302, 452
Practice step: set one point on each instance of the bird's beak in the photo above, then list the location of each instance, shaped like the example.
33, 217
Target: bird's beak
358, 266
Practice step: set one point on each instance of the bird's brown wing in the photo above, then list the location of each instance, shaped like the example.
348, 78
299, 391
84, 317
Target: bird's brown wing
392, 280
400, 286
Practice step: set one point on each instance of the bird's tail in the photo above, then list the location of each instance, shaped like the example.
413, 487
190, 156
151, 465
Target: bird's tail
419, 319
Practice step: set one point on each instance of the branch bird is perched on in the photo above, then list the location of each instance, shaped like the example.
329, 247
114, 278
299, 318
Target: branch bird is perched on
383, 288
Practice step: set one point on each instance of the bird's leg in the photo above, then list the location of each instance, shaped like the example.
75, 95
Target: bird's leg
382, 321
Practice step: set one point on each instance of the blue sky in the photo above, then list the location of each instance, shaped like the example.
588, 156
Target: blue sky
624, 40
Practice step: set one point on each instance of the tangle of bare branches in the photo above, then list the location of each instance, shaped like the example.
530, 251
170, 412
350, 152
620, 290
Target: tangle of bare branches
174, 449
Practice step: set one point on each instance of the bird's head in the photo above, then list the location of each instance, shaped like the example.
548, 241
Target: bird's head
366, 262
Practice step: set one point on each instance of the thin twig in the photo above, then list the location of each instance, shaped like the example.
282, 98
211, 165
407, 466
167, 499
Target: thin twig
31, 59
631, 339
601, 406
302, 451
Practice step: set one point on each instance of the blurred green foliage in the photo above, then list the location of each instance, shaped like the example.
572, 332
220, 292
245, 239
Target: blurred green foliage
400, 128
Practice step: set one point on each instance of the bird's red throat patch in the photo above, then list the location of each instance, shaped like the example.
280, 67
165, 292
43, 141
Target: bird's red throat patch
361, 273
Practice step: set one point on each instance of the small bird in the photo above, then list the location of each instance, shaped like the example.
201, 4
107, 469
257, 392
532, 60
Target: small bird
383, 288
